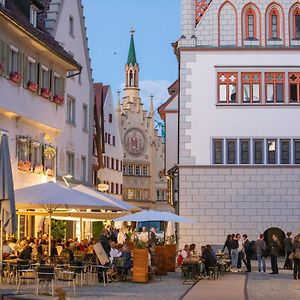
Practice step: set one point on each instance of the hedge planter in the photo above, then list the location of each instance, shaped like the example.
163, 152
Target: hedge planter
171, 258
161, 258
140, 265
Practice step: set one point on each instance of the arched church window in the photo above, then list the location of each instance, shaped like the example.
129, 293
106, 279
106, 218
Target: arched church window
296, 23
250, 24
274, 24
131, 79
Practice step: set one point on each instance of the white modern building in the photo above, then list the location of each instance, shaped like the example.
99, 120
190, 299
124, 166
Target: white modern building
239, 143
33, 71
66, 22
111, 171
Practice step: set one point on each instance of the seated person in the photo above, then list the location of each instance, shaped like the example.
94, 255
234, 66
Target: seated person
209, 257
127, 257
26, 252
185, 253
114, 252
6, 250
67, 252
193, 251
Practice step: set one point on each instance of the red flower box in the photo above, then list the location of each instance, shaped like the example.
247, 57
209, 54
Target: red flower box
45, 93
32, 86
15, 77
58, 99
1, 69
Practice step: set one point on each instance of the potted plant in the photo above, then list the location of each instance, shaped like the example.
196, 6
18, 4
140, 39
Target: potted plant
59, 100
15, 77
140, 262
171, 253
45, 93
32, 86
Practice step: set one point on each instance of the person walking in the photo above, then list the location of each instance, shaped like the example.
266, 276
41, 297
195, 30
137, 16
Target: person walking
248, 253
288, 247
260, 249
296, 251
241, 253
274, 252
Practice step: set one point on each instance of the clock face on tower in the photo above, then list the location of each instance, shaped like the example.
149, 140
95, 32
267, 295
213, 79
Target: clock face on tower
135, 142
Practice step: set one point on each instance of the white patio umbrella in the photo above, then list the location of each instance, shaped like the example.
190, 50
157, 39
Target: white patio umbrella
51, 196
105, 197
153, 215
7, 199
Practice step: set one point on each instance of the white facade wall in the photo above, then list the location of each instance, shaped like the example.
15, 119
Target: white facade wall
116, 152
233, 198
74, 138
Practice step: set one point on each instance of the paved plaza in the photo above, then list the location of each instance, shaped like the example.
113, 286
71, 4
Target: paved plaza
237, 286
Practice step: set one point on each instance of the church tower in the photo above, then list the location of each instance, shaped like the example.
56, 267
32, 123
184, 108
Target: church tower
144, 183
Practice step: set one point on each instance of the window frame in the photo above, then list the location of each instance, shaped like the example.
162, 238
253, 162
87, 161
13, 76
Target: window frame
262, 151
33, 15
83, 168
251, 12
251, 82
281, 153
268, 151
85, 117
274, 12
71, 113
296, 141
296, 13
228, 161
274, 81
223, 79
214, 141
71, 26
70, 168
297, 83
241, 141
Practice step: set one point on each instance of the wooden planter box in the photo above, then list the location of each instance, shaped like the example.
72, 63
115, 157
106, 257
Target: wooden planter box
161, 260
171, 258
140, 265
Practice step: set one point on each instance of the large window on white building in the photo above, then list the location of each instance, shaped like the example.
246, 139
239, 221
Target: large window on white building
70, 163
271, 152
245, 152
285, 152
231, 151
217, 151
71, 110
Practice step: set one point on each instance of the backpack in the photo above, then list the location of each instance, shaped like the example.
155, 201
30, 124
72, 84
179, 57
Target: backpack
297, 253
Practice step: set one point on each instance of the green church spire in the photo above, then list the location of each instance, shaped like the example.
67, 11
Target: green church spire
131, 54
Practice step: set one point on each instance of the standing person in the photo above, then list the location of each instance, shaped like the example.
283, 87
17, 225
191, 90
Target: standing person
248, 253
234, 253
227, 244
260, 249
274, 252
153, 238
121, 237
241, 253
104, 241
144, 235
288, 247
296, 251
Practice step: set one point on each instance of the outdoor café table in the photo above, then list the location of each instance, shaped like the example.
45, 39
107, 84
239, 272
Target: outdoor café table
191, 269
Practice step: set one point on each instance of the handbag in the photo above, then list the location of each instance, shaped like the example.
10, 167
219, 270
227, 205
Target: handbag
291, 256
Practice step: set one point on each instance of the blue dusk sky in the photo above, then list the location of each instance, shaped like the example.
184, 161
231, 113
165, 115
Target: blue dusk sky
157, 25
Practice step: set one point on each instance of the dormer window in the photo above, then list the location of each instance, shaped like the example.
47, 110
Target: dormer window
33, 15
2, 2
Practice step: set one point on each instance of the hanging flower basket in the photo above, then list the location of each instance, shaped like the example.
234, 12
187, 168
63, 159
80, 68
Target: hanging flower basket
32, 86
15, 77
1, 69
49, 172
24, 166
39, 169
59, 100
50, 152
45, 93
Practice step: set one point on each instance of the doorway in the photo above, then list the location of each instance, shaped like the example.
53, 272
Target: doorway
281, 235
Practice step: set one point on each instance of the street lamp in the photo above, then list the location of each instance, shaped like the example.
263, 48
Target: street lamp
65, 177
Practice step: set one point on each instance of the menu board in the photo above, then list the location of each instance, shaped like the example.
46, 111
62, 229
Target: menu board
101, 254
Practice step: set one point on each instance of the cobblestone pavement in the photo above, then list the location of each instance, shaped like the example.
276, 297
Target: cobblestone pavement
170, 287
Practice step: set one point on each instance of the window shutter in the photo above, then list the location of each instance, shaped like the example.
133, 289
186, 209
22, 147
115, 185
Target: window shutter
62, 86
21, 63
39, 76
25, 71
51, 82
7, 54
36, 79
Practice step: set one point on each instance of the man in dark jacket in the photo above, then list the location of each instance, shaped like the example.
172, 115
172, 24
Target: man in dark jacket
248, 253
274, 252
105, 242
288, 247
210, 259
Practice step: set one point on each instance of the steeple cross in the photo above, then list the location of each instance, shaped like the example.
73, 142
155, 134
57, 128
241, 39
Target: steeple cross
132, 31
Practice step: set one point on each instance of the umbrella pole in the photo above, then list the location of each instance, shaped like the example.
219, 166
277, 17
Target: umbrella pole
1, 240
49, 238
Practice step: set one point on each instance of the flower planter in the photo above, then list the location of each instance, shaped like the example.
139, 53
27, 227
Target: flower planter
32, 87
1, 69
39, 169
171, 257
24, 166
161, 256
59, 100
140, 265
49, 172
45, 93
15, 77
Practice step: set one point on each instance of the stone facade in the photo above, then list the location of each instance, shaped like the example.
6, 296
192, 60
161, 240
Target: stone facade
144, 181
